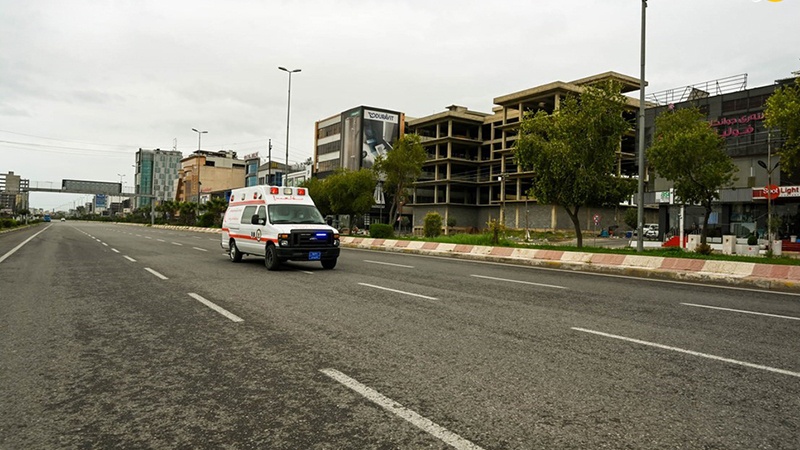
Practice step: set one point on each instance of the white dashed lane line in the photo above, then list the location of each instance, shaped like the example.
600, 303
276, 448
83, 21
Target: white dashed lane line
520, 282
129, 258
200, 249
424, 424
742, 311
692, 352
156, 273
399, 292
216, 308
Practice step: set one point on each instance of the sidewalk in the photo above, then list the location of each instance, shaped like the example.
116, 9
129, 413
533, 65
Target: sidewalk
744, 274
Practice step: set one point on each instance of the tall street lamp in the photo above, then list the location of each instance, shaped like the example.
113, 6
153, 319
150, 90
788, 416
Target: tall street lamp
771, 191
640, 195
199, 135
288, 110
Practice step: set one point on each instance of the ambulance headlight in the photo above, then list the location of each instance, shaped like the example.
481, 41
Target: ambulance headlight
283, 240
336, 240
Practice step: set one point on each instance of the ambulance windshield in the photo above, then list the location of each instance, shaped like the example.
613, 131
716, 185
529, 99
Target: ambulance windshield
295, 214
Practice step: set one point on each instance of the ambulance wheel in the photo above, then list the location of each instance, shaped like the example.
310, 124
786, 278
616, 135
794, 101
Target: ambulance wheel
234, 252
271, 258
328, 264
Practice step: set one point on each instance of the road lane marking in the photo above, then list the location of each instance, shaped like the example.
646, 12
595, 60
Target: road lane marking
692, 352
115, 250
521, 282
216, 308
148, 237
424, 424
176, 243
14, 250
742, 311
399, 292
156, 273
201, 249
105, 244
389, 264
129, 258
161, 240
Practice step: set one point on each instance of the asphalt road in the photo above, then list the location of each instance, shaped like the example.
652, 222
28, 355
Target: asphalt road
115, 336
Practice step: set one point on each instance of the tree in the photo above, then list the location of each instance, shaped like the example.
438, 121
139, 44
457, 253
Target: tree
214, 210
783, 113
400, 168
688, 152
350, 191
316, 189
572, 152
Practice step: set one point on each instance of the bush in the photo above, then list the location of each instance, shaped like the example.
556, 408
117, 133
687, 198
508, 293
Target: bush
631, 218
703, 249
381, 230
433, 224
206, 220
496, 229
752, 239
451, 221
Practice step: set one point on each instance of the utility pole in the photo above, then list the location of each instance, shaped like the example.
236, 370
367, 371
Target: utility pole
269, 163
640, 195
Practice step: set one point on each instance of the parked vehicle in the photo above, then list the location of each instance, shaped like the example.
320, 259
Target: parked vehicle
651, 231
279, 224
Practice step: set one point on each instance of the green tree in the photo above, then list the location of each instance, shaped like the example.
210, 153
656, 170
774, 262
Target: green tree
214, 210
400, 168
350, 191
316, 189
783, 113
572, 152
688, 152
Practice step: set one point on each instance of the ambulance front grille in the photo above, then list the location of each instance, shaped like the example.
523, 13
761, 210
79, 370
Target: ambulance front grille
311, 238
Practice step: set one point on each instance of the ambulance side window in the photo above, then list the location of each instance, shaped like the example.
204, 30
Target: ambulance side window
248, 213
262, 215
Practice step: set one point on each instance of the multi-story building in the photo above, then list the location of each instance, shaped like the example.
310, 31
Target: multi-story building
205, 172
354, 138
156, 175
737, 113
13, 192
470, 175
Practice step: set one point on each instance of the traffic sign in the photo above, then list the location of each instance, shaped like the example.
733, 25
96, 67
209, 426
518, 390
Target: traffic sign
596, 219
771, 192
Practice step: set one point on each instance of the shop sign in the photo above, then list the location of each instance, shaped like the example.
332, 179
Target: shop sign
773, 192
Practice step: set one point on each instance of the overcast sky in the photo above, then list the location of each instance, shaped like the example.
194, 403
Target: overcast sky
85, 84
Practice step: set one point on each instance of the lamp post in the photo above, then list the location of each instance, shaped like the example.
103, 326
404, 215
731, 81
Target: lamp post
288, 110
640, 194
768, 191
199, 135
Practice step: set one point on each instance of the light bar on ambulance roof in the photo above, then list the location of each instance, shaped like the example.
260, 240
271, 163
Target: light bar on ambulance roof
301, 191
287, 191
273, 191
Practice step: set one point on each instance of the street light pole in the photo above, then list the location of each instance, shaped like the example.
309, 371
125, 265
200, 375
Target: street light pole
768, 191
640, 195
199, 134
288, 110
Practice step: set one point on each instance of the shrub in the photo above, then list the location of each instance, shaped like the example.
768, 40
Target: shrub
495, 229
752, 239
631, 218
703, 249
433, 224
381, 230
206, 220
451, 221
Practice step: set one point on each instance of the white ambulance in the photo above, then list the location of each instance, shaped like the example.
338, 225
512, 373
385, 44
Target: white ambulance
278, 224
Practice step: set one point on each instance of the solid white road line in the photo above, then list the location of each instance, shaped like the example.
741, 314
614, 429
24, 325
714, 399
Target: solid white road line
692, 352
14, 250
742, 311
399, 292
129, 258
521, 282
424, 424
216, 308
389, 264
156, 273
201, 249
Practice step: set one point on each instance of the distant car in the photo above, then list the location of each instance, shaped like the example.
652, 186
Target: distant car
63, 219
651, 231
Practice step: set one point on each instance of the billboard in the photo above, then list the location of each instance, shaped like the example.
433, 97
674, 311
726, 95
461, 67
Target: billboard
91, 187
100, 201
366, 134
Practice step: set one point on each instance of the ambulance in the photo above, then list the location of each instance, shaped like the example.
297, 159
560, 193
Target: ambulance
279, 224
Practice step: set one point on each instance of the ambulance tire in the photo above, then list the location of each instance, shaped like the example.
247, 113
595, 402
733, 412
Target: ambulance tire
271, 258
234, 253
328, 264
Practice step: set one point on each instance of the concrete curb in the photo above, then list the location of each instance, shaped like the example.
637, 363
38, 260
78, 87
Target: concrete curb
745, 274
